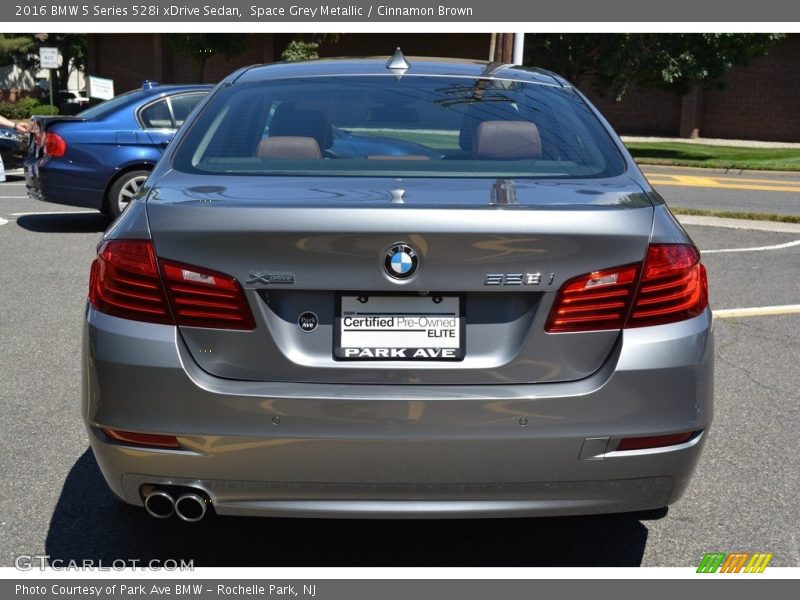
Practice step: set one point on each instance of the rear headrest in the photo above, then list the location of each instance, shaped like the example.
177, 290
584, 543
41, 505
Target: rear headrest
507, 140
480, 113
289, 146
301, 123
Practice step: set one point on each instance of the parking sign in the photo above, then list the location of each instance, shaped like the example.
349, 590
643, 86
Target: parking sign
100, 87
48, 58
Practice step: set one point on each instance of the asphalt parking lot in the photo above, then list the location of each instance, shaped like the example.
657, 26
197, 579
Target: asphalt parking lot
53, 500
719, 189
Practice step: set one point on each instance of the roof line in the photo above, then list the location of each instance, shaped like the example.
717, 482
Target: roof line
233, 77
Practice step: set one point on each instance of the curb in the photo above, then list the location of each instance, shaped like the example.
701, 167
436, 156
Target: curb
719, 142
772, 226
764, 173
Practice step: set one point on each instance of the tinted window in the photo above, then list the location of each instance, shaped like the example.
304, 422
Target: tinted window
183, 105
157, 116
424, 126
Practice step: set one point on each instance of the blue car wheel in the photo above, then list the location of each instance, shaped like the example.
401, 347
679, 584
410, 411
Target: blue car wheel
124, 190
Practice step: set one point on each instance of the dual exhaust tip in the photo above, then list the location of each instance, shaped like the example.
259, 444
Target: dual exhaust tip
190, 506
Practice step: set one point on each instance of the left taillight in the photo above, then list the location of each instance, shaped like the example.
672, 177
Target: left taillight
203, 298
54, 145
126, 281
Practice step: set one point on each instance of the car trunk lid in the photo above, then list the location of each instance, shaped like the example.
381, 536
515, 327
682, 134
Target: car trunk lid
493, 251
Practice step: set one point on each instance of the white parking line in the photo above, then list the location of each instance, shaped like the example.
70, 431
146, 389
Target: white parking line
3, 221
753, 249
55, 212
757, 311
14, 197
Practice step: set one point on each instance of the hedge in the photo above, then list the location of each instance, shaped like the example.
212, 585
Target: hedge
24, 108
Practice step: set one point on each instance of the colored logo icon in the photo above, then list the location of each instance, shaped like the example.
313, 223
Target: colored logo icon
734, 562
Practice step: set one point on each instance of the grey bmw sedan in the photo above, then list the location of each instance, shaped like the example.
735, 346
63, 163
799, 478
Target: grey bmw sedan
414, 288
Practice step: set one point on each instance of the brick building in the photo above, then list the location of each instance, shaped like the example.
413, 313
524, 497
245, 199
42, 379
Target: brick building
760, 101
129, 59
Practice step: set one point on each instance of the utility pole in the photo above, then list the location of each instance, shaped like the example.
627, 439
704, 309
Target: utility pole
519, 48
502, 50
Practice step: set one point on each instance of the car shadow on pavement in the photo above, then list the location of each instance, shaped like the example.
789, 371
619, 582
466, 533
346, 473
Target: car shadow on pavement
90, 524
65, 223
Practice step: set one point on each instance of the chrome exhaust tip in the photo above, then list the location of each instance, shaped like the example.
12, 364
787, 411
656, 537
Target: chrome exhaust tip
191, 507
159, 504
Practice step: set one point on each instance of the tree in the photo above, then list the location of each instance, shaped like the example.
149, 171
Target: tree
300, 50
305, 46
676, 62
14, 45
23, 50
71, 47
202, 46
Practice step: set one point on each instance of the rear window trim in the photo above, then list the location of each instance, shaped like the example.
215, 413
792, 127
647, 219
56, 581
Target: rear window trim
238, 81
153, 102
613, 138
166, 97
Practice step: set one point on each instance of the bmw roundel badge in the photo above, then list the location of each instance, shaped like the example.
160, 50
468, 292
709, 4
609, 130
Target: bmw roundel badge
401, 261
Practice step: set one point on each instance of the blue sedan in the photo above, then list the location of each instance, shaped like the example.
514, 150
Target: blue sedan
100, 157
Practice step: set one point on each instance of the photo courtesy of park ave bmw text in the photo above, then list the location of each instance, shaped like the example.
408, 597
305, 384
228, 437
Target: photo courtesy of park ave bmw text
406, 288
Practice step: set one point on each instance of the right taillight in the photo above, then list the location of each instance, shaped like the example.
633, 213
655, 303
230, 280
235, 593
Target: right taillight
54, 145
595, 301
126, 282
672, 287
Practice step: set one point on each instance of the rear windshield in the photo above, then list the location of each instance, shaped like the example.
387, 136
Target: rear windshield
98, 111
407, 126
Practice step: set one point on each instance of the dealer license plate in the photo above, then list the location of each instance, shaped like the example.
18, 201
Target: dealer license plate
400, 328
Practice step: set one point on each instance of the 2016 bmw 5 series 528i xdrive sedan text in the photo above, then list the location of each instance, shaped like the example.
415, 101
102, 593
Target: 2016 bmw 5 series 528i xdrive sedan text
421, 288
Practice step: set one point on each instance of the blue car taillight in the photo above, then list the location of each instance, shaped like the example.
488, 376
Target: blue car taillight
54, 145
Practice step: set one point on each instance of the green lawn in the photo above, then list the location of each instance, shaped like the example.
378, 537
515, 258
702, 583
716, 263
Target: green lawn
437, 139
723, 157
646, 153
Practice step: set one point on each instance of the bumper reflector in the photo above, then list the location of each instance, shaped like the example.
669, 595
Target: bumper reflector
143, 439
657, 441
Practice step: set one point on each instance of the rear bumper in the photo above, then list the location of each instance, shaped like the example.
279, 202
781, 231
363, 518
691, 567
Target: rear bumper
282, 449
66, 182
